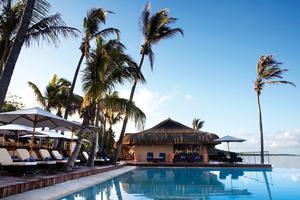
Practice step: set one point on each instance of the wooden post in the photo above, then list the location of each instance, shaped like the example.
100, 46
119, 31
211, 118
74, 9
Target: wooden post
205, 154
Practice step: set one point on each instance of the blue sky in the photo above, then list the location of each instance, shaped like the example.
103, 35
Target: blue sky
208, 73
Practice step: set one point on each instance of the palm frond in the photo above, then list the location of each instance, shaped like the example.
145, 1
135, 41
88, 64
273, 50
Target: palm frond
39, 97
280, 82
107, 32
144, 19
49, 29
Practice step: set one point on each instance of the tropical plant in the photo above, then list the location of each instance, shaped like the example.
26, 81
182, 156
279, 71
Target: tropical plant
12, 103
197, 124
55, 95
87, 113
268, 69
115, 109
25, 22
107, 66
154, 28
91, 25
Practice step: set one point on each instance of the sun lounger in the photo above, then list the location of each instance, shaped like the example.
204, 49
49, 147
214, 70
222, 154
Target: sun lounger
24, 155
96, 160
58, 157
46, 156
19, 167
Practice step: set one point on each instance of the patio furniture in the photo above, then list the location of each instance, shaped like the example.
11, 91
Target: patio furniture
97, 161
234, 158
149, 157
7, 164
162, 157
24, 155
57, 156
197, 157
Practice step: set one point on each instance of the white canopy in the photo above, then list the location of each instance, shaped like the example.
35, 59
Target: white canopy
36, 117
13, 128
229, 138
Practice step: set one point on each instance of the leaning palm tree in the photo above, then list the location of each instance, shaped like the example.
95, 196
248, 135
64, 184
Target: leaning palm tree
91, 25
154, 28
268, 69
107, 66
25, 22
197, 124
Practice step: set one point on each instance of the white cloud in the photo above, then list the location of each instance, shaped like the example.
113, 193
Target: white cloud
150, 102
188, 96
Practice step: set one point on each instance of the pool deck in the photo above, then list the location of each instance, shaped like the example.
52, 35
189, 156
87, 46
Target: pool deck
30, 184
204, 165
14, 184
63, 189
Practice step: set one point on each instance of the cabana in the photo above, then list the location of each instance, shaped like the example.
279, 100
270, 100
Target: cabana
168, 137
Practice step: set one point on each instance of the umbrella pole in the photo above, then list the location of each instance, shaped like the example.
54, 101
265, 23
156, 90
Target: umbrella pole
228, 149
32, 140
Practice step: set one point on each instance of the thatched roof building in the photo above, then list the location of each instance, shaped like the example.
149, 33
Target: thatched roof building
169, 132
167, 137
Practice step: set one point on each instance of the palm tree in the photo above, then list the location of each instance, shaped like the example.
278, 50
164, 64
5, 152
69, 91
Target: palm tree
268, 69
197, 124
87, 113
107, 66
91, 25
154, 29
115, 109
55, 95
25, 23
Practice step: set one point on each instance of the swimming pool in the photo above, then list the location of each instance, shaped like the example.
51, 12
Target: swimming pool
196, 183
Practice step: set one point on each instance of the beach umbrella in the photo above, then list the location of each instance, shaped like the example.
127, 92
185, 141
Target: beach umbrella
35, 117
90, 128
228, 139
17, 130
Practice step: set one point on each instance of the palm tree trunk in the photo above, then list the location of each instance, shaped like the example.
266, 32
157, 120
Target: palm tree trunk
91, 159
105, 136
261, 131
108, 147
71, 161
15, 50
70, 96
125, 121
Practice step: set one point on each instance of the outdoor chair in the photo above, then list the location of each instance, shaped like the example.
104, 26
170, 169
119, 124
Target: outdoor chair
96, 160
104, 156
182, 156
149, 157
234, 158
221, 157
162, 157
24, 155
46, 156
197, 157
18, 167
58, 157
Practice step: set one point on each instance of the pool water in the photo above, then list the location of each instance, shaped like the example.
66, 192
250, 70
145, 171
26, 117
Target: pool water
196, 184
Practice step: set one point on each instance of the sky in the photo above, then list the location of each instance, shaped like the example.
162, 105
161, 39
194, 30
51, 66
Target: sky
209, 73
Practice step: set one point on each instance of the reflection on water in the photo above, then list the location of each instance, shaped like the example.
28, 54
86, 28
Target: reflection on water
195, 183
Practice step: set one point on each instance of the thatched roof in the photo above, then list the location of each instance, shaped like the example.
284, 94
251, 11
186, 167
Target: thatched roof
169, 132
